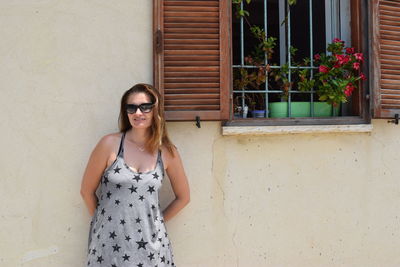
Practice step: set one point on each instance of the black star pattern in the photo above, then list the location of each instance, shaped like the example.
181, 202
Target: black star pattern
100, 259
117, 202
139, 230
103, 211
160, 239
103, 245
155, 176
127, 238
140, 265
126, 257
149, 215
130, 205
93, 251
113, 265
112, 235
142, 244
151, 189
138, 220
116, 247
118, 186
153, 207
109, 218
116, 170
106, 180
154, 235
162, 259
109, 194
98, 236
151, 256
166, 234
133, 189
141, 198
122, 221
137, 178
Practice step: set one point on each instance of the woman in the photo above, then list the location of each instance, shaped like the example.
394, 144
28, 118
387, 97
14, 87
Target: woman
127, 228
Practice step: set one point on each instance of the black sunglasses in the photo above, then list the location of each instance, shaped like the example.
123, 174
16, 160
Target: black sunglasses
144, 107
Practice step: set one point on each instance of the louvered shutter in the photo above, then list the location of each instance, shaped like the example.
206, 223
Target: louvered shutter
191, 58
386, 57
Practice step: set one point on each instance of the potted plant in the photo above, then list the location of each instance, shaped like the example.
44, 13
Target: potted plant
299, 78
338, 73
253, 78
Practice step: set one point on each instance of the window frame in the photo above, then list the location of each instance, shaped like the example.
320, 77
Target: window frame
361, 99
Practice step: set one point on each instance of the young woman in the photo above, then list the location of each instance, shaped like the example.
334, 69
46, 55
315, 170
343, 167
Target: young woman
127, 227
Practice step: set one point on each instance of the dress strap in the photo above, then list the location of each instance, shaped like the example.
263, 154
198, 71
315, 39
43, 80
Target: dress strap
160, 161
121, 146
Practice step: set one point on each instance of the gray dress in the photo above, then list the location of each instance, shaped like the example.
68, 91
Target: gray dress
127, 228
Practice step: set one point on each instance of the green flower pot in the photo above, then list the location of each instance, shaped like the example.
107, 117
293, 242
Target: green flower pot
301, 109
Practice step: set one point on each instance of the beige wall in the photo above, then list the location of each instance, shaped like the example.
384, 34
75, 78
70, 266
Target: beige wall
285, 200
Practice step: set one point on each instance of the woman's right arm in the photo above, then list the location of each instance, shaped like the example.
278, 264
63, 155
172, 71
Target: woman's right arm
96, 165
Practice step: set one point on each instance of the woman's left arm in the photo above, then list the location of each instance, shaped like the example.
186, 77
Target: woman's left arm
179, 184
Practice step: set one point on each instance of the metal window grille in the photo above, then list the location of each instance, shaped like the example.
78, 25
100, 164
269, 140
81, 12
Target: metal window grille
334, 27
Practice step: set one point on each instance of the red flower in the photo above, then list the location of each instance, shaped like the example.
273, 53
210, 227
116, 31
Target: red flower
350, 50
349, 89
337, 65
343, 59
323, 69
362, 76
356, 65
359, 56
317, 57
337, 40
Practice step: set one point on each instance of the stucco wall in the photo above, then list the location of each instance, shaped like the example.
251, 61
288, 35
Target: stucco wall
285, 200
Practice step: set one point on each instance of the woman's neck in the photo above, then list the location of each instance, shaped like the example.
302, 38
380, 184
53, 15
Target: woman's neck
138, 136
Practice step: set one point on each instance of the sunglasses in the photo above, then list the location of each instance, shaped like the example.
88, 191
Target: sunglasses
144, 107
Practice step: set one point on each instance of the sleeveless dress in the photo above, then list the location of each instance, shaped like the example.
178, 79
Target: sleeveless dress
127, 228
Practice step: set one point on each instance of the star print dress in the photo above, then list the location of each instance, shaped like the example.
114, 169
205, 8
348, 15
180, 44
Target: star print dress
127, 228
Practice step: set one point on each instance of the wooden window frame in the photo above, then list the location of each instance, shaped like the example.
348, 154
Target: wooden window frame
383, 107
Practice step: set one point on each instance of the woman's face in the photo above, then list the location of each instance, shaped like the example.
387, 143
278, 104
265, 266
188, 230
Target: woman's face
140, 119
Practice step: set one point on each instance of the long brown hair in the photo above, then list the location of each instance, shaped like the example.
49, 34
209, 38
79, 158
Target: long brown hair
158, 132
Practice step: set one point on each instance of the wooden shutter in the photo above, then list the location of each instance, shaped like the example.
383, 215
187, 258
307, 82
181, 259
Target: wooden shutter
385, 25
192, 59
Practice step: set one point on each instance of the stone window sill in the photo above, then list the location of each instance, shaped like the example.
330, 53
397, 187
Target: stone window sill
296, 129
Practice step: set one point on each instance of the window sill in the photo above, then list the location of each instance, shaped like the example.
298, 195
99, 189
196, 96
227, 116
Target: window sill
296, 129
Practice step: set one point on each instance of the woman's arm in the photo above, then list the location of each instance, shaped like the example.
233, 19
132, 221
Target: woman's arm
91, 178
179, 185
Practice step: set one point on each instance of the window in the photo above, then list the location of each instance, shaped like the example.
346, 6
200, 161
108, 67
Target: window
266, 76
195, 53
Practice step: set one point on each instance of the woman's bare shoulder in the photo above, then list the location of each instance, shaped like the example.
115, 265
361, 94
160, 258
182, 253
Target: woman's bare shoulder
167, 156
110, 141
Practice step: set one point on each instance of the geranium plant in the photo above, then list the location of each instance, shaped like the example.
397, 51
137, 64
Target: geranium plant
338, 72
